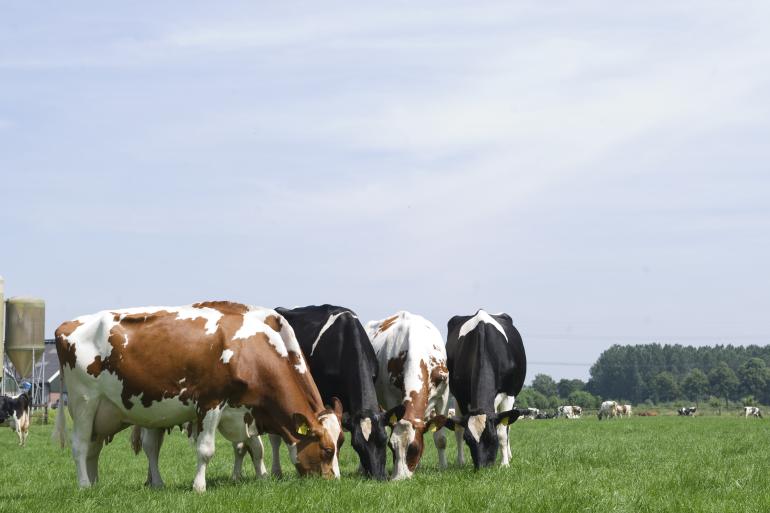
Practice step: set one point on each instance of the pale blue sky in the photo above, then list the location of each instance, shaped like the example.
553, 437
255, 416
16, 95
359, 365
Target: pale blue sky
602, 176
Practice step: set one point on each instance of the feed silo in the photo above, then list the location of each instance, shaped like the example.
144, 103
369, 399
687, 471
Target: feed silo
24, 332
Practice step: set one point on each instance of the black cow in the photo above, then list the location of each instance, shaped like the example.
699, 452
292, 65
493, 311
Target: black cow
487, 367
344, 365
687, 412
15, 410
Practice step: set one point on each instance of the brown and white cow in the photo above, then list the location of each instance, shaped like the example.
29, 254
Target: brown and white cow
413, 382
159, 367
623, 410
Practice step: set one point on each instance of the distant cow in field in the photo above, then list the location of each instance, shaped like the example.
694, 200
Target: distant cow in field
530, 413
648, 414
15, 411
687, 412
570, 412
623, 410
752, 411
607, 410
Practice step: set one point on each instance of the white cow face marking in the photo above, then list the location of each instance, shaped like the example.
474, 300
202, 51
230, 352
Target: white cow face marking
366, 428
476, 424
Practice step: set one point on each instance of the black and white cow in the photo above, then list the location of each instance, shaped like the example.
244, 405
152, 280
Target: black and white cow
687, 412
344, 365
752, 411
15, 412
487, 366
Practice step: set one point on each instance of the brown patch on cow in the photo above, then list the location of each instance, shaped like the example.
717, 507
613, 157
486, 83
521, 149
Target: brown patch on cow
396, 370
224, 307
64, 349
274, 322
294, 359
387, 323
95, 367
439, 374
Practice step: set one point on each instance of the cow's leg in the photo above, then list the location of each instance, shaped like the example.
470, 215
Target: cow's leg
275, 445
92, 459
505, 403
439, 438
24, 428
83, 412
459, 430
205, 446
152, 439
257, 453
239, 451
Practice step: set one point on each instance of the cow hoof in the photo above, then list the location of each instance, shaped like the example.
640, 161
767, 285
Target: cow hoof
236, 477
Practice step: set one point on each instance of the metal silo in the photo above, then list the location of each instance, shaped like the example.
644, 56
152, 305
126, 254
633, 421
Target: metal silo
24, 332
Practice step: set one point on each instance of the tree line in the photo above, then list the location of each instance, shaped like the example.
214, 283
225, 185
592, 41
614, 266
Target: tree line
656, 373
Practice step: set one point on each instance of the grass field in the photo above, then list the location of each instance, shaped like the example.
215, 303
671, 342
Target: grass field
636, 465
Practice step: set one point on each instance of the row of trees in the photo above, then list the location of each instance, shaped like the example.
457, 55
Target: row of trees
661, 373
545, 393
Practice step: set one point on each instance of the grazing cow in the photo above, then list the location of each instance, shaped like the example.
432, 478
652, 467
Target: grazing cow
753, 411
487, 367
15, 410
344, 365
687, 412
158, 367
570, 412
545, 415
530, 413
648, 414
623, 410
412, 381
607, 410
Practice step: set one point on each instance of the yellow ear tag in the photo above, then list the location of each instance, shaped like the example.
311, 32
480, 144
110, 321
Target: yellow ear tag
504, 422
393, 419
303, 429
433, 428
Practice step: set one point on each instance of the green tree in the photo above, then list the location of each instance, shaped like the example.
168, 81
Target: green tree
544, 384
583, 399
695, 385
723, 381
567, 386
531, 398
753, 376
664, 387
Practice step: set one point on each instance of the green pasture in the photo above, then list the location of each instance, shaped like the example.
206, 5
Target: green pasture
665, 463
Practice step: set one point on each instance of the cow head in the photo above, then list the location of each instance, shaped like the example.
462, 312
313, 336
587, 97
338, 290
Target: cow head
369, 438
480, 433
406, 439
319, 442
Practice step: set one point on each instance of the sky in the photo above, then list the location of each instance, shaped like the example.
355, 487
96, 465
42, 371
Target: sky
602, 175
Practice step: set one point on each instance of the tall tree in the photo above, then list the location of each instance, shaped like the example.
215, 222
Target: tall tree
754, 377
695, 385
665, 387
544, 384
567, 386
723, 381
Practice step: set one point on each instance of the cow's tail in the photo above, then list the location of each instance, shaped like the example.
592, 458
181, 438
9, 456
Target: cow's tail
60, 428
136, 439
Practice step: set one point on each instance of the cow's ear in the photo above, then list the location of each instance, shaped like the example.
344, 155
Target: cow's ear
337, 407
393, 415
435, 423
302, 427
507, 417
